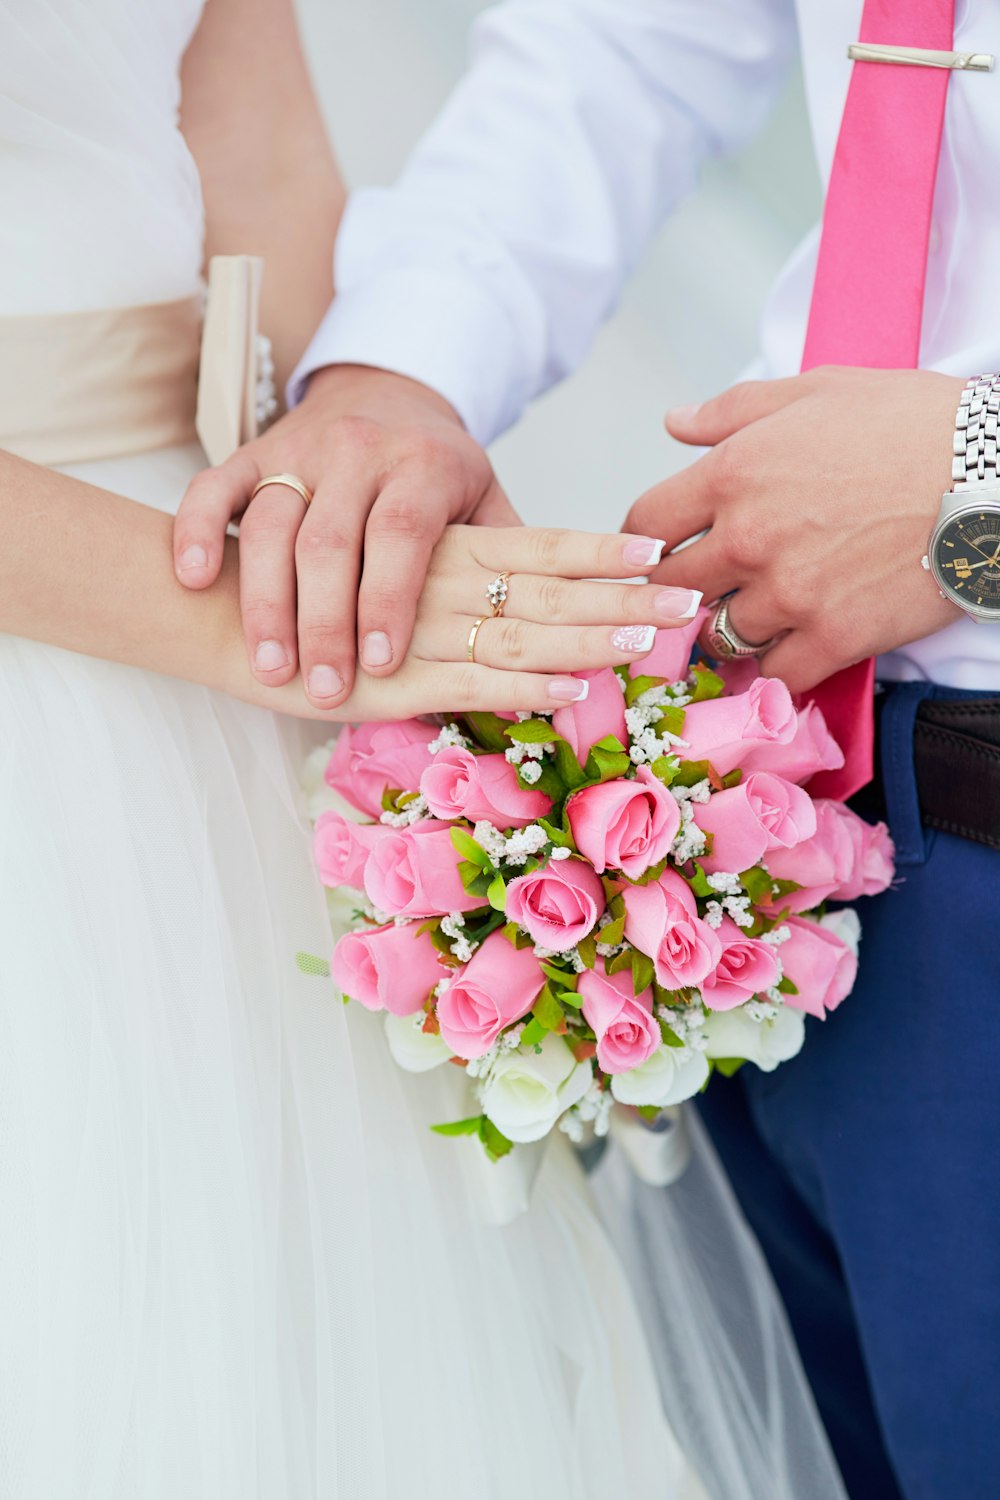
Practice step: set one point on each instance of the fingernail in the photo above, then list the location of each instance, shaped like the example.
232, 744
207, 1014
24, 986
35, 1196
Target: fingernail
681, 414
634, 638
643, 551
192, 557
376, 650
568, 689
678, 604
269, 656
325, 682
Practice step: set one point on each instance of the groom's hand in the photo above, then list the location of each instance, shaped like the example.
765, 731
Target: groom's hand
818, 496
390, 466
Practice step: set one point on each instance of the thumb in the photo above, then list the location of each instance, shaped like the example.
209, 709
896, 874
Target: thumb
735, 408
210, 502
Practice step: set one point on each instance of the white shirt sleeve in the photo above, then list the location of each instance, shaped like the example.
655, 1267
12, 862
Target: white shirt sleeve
487, 270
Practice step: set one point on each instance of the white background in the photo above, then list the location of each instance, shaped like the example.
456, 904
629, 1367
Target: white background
687, 325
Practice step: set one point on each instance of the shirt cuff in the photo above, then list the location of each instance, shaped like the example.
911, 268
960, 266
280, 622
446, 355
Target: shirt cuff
436, 327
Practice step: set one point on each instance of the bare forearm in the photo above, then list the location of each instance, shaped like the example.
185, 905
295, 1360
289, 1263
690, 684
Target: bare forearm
270, 182
91, 571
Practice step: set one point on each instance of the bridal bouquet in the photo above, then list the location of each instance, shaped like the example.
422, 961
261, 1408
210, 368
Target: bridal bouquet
600, 905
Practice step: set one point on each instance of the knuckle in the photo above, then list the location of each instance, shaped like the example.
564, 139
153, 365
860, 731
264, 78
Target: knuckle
554, 598
729, 465
466, 685
547, 546
786, 594
746, 540
322, 641
402, 519
320, 543
513, 642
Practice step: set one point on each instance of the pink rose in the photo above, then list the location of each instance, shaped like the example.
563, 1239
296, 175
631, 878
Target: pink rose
764, 812
601, 713
387, 968
821, 864
820, 965
874, 858
498, 986
622, 1021
671, 653
341, 848
661, 920
747, 967
371, 757
722, 730
413, 872
558, 905
624, 825
458, 784
812, 748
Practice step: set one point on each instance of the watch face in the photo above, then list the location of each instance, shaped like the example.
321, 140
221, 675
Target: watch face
966, 559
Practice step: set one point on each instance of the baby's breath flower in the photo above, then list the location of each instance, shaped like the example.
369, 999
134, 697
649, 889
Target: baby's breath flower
450, 735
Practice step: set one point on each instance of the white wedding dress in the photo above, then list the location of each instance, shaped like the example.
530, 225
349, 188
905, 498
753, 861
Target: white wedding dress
234, 1261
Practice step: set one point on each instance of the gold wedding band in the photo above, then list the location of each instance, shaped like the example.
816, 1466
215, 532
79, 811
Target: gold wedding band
290, 481
496, 593
470, 648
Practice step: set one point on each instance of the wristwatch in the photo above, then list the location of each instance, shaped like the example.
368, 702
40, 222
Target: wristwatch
963, 554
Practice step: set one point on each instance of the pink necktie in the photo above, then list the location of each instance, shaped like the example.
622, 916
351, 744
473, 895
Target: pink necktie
868, 296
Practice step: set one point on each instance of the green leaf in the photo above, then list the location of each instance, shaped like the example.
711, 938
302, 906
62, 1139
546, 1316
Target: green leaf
534, 1033
690, 772
665, 768
707, 684
662, 996
571, 998
308, 963
699, 883
469, 849
642, 971
476, 881
732, 778
495, 1143
727, 1066
614, 932
564, 979
482, 929
671, 720
471, 1126
560, 837
568, 768
786, 987
619, 963
587, 949
496, 893
547, 1011
389, 796
548, 781
533, 732
514, 935
636, 686
669, 1035
785, 887
607, 760
653, 873
757, 884
488, 730
650, 1112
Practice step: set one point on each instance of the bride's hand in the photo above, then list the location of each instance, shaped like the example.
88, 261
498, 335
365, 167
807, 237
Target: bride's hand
556, 620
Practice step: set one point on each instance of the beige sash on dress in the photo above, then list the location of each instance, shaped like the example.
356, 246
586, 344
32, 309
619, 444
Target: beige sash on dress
90, 385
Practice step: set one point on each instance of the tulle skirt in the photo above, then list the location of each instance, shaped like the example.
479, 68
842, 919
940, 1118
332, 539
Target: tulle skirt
234, 1260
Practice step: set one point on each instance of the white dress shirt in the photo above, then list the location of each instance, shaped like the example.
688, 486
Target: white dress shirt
486, 271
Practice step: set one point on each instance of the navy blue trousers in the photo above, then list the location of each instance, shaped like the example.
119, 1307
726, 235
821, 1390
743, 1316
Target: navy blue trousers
869, 1168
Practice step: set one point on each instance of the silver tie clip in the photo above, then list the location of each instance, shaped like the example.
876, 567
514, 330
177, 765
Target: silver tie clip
922, 57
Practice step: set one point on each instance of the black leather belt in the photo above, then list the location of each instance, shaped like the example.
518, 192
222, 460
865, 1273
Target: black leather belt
956, 749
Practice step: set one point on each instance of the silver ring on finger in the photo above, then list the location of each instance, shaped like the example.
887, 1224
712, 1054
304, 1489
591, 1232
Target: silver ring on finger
496, 593
726, 642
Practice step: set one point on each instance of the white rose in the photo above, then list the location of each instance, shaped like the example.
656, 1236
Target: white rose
732, 1033
412, 1047
669, 1076
846, 925
528, 1090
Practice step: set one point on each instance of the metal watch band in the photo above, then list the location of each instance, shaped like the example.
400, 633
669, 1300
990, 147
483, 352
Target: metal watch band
975, 444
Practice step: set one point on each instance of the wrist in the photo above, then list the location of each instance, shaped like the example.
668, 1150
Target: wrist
350, 388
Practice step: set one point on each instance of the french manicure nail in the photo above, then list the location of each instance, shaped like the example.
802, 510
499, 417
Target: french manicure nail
269, 656
643, 551
682, 414
192, 557
325, 682
568, 689
634, 638
376, 649
678, 604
